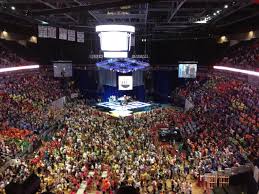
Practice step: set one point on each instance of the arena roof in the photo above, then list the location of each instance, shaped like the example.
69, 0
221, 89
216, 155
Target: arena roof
154, 18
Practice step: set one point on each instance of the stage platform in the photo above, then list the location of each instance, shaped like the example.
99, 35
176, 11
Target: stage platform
117, 110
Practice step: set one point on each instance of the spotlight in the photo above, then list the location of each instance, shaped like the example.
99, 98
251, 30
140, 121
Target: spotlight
251, 35
5, 33
13, 8
19, 68
214, 13
43, 22
248, 72
225, 6
218, 11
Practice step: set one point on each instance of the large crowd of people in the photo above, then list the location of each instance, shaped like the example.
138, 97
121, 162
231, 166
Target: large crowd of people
226, 111
80, 146
245, 55
109, 158
11, 59
103, 152
24, 101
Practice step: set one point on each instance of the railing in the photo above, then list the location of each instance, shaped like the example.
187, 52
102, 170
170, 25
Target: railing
221, 178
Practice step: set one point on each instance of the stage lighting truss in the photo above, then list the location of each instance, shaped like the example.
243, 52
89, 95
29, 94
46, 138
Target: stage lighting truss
122, 65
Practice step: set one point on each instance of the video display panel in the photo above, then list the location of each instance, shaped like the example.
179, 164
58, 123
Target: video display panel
125, 83
187, 70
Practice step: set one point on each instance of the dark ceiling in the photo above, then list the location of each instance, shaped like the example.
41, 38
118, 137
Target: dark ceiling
152, 18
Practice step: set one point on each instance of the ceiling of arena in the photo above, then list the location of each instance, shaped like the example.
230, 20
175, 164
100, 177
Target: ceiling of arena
155, 18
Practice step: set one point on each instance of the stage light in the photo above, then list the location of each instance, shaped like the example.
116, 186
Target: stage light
33, 39
218, 11
8, 69
45, 23
4, 34
251, 35
225, 6
214, 13
223, 39
125, 65
248, 72
202, 21
13, 8
115, 54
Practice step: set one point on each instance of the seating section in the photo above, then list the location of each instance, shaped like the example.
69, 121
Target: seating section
9, 58
24, 100
80, 146
244, 55
226, 112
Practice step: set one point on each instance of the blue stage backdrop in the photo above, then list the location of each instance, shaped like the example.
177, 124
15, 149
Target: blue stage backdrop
87, 82
164, 83
105, 84
110, 87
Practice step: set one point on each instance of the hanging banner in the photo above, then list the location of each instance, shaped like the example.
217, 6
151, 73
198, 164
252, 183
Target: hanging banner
62, 34
80, 37
71, 35
52, 32
43, 31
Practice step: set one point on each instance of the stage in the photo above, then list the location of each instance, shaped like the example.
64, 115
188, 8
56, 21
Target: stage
116, 109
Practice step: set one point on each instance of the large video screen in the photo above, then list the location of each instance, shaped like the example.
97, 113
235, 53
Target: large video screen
125, 83
62, 68
114, 41
187, 70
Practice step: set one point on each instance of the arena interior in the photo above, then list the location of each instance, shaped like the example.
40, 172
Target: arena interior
129, 96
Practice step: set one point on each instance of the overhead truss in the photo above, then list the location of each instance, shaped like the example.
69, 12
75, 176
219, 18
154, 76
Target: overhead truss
158, 16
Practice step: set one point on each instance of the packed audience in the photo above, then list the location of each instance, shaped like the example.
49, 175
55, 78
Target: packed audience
85, 146
226, 112
10, 59
109, 158
245, 55
127, 151
24, 101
